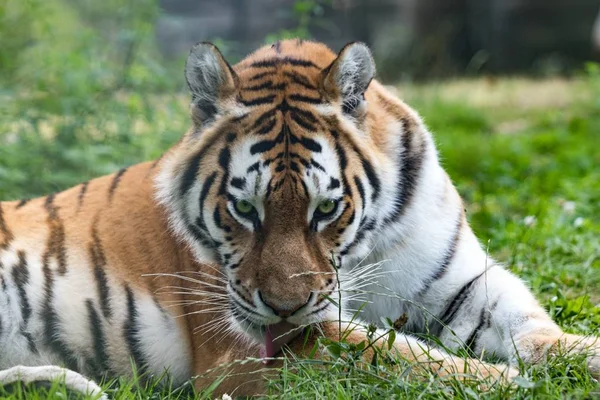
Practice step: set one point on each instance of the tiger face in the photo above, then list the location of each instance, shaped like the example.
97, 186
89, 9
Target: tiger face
272, 182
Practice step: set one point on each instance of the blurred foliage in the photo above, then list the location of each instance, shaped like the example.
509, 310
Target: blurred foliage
81, 82
306, 14
59, 56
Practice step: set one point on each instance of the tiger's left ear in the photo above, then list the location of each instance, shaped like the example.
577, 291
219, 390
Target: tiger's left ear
210, 79
349, 76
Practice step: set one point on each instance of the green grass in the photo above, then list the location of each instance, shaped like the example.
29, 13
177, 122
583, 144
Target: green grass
546, 172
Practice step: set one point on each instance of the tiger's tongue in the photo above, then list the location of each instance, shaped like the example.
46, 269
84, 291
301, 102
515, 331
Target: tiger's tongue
277, 336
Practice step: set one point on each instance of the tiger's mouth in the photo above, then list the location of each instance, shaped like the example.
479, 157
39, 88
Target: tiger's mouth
276, 336
272, 338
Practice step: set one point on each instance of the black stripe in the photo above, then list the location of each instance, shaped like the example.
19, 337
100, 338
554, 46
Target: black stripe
131, 332
191, 173
302, 122
99, 262
317, 165
254, 167
273, 62
454, 305
372, 177
22, 203
304, 187
264, 85
238, 183
230, 137
243, 307
30, 342
448, 256
50, 207
263, 146
82, 192
411, 163
260, 76
224, 160
333, 183
471, 342
306, 99
361, 192
363, 229
200, 236
318, 310
52, 332
351, 218
307, 115
257, 101
56, 238
267, 127
204, 194
115, 183
307, 143
101, 358
20, 275
343, 160
268, 85
264, 117
7, 235
267, 116
300, 80
219, 222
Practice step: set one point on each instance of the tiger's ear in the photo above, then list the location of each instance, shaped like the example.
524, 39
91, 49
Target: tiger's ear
349, 76
210, 79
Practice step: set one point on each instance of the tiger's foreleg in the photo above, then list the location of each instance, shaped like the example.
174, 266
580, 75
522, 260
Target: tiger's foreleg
244, 374
422, 357
512, 324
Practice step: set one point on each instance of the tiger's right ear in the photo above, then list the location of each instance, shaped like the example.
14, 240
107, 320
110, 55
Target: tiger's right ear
210, 79
349, 75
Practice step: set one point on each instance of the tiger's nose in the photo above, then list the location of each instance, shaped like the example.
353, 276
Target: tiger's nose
284, 308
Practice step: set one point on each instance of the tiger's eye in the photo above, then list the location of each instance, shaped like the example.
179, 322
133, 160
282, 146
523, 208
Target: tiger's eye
326, 207
244, 206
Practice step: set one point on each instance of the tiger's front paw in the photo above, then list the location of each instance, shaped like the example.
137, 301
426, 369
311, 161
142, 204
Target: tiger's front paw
537, 348
593, 351
589, 346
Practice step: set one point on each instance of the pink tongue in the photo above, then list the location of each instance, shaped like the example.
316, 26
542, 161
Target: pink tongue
276, 336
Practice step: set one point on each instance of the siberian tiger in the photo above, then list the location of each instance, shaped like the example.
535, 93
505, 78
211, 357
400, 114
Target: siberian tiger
299, 168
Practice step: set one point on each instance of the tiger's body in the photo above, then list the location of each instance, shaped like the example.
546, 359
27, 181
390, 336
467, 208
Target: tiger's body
297, 163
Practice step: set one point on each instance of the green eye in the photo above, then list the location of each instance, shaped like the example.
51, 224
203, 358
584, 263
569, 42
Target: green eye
326, 207
244, 206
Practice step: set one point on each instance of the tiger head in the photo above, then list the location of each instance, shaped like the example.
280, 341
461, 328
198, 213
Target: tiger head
279, 180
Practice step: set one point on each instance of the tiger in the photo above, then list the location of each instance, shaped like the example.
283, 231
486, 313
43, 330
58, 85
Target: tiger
301, 179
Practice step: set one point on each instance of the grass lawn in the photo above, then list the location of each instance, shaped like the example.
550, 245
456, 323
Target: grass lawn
524, 154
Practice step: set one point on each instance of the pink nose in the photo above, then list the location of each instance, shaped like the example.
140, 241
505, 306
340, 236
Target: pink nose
282, 309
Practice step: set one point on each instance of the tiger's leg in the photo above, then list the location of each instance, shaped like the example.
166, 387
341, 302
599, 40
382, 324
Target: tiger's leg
511, 323
249, 377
